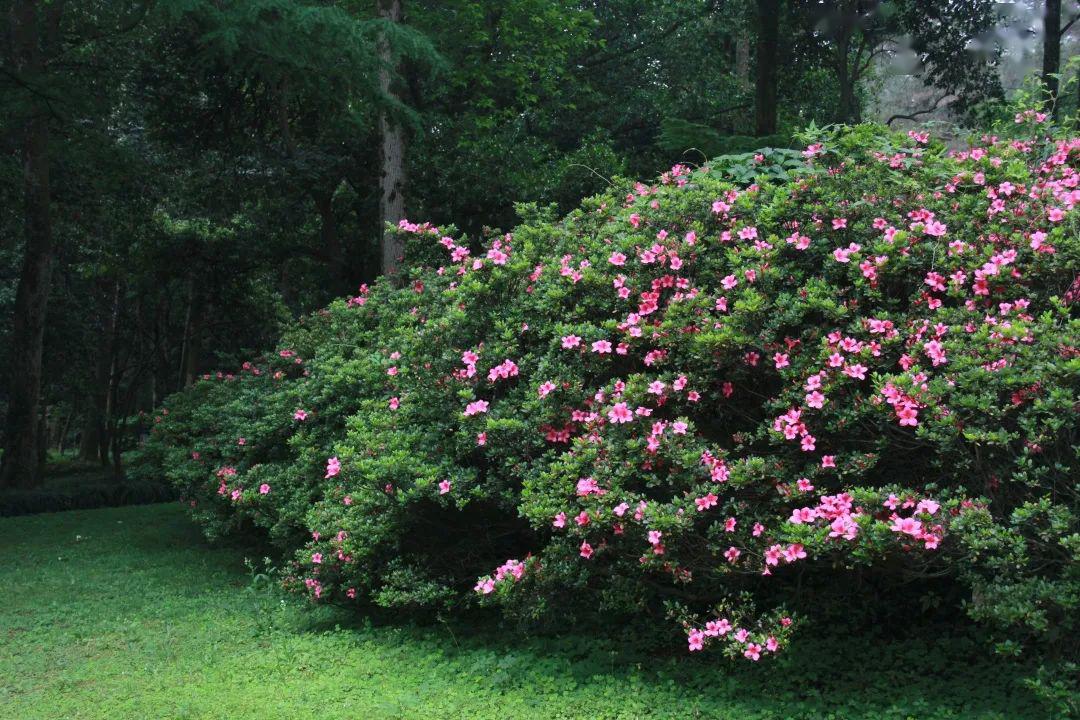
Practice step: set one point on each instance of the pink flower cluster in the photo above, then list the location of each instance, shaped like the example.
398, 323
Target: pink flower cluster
512, 570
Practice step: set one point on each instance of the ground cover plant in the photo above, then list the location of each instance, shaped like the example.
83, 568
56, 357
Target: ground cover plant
127, 612
72, 484
686, 400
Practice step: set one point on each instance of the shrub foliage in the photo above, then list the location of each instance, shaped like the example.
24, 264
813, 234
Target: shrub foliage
686, 397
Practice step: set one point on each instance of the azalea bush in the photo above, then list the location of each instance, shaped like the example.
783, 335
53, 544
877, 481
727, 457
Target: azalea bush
685, 398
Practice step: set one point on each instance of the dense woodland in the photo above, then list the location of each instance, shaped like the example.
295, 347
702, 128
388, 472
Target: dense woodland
179, 178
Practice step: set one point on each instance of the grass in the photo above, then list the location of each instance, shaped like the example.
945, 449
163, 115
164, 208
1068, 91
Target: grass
128, 613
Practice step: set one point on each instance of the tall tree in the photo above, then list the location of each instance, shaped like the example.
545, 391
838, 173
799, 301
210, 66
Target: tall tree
768, 37
392, 153
55, 96
1051, 59
34, 28
1053, 33
943, 35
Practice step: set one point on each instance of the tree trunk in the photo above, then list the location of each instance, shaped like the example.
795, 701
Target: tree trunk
43, 439
768, 35
848, 110
392, 155
65, 427
21, 466
849, 106
330, 240
90, 440
742, 60
191, 350
1051, 65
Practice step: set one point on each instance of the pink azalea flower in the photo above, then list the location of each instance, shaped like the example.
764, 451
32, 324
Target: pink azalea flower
474, 408
935, 228
571, 341
601, 347
586, 550
333, 467
907, 526
545, 388
732, 554
620, 413
316, 558
587, 486
300, 415
794, 552
844, 527
264, 489
560, 520
773, 555
696, 640
444, 487
704, 503
856, 371
927, 506
752, 652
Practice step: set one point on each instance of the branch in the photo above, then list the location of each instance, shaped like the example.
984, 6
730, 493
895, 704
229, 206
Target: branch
121, 28
1068, 25
881, 49
48, 99
602, 58
915, 114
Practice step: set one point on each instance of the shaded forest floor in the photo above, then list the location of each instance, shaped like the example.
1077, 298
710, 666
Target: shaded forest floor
71, 484
128, 613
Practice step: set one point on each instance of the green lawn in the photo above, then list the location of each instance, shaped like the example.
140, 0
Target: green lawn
127, 613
